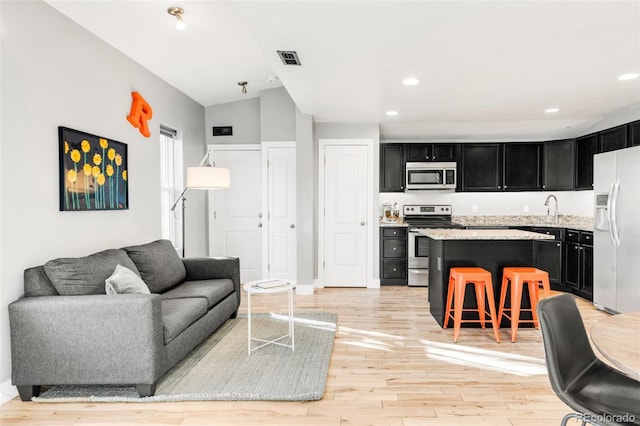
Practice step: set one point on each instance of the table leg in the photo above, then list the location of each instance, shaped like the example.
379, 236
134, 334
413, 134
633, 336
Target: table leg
249, 323
291, 331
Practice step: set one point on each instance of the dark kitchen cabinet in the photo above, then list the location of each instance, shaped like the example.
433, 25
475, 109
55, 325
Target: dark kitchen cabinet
393, 255
547, 255
633, 133
557, 165
418, 151
612, 139
430, 152
481, 167
586, 147
392, 167
522, 166
578, 262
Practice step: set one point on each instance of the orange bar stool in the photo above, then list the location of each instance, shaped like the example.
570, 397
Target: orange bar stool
458, 280
517, 277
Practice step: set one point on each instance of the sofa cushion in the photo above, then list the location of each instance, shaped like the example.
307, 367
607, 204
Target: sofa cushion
160, 266
212, 290
85, 275
125, 281
178, 314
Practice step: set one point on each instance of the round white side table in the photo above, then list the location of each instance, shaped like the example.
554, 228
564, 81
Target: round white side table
269, 286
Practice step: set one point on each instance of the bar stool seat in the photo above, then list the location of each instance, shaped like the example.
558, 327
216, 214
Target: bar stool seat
458, 280
517, 277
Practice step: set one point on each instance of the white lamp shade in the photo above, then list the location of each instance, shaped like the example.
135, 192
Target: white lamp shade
208, 178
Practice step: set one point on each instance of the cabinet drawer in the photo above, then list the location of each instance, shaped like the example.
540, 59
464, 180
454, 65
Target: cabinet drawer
394, 268
586, 238
392, 247
399, 231
556, 232
572, 236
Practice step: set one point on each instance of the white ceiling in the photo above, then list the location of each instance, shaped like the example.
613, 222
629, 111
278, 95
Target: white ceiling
488, 69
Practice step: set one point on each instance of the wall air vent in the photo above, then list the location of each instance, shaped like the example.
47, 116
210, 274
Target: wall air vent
289, 57
223, 131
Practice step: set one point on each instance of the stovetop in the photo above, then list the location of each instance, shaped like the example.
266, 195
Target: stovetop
428, 216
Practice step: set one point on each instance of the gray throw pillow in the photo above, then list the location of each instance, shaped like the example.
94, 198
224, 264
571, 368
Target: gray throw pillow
125, 281
160, 266
72, 276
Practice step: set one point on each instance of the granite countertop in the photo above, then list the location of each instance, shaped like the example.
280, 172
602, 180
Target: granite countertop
581, 223
392, 224
483, 234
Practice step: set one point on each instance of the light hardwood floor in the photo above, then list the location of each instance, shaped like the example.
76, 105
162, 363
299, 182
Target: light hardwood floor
391, 365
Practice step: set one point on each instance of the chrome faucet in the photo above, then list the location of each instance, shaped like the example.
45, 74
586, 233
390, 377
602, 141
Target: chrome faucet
555, 210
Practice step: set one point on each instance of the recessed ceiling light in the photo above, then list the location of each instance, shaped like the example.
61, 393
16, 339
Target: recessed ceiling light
392, 113
551, 110
628, 76
410, 81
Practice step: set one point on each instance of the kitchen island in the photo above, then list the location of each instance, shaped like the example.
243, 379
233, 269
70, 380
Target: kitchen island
491, 249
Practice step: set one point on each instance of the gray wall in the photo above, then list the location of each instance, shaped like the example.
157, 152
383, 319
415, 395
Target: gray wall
54, 73
244, 116
306, 197
277, 116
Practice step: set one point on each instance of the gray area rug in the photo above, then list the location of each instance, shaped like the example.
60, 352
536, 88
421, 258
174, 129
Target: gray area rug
221, 369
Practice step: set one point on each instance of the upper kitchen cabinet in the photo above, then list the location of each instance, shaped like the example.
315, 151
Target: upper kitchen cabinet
481, 167
633, 133
586, 148
612, 139
430, 152
391, 167
522, 166
557, 165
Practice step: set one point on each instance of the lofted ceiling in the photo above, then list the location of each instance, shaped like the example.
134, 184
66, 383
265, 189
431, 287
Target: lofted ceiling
487, 69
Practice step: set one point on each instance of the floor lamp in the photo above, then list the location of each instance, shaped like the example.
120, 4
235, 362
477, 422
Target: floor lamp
204, 176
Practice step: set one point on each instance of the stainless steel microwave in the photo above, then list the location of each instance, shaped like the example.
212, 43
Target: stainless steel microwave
423, 175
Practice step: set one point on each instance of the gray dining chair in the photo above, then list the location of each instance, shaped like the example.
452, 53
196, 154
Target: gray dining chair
600, 394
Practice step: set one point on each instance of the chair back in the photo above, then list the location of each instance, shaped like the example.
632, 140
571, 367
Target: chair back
566, 346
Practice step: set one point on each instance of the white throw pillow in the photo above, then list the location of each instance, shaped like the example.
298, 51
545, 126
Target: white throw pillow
125, 281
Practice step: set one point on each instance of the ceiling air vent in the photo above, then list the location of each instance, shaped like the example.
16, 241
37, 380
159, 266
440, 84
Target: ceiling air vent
289, 57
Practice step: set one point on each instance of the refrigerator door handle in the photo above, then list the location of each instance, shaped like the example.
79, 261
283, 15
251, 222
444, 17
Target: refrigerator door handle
614, 213
609, 215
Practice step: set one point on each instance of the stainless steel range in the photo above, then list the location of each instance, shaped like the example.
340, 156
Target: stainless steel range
423, 216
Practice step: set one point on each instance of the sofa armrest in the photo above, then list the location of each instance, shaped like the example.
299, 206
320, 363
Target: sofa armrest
93, 339
207, 268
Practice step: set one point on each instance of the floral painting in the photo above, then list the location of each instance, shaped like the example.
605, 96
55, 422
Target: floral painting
93, 172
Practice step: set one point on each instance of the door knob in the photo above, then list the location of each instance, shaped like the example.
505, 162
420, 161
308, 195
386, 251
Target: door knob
292, 226
362, 223
259, 224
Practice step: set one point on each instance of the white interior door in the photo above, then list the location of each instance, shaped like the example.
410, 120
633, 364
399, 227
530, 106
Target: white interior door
236, 213
281, 211
345, 215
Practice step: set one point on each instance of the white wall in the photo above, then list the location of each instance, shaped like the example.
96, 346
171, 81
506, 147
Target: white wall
54, 73
578, 203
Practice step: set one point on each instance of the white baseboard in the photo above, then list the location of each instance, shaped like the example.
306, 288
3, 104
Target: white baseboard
374, 283
7, 391
304, 289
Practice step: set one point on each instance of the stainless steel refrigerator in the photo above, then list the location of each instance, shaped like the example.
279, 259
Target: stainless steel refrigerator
616, 245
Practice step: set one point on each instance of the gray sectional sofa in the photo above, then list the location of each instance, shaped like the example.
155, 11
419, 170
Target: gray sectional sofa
67, 330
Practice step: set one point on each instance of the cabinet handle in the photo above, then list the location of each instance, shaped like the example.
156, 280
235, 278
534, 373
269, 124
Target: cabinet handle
394, 269
499, 187
394, 249
558, 245
394, 232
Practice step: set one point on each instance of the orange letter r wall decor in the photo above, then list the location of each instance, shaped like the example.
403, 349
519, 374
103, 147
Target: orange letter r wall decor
140, 113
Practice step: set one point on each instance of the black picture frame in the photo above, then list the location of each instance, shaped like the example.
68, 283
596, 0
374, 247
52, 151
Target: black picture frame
93, 172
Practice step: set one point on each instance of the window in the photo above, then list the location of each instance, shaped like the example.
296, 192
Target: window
171, 185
